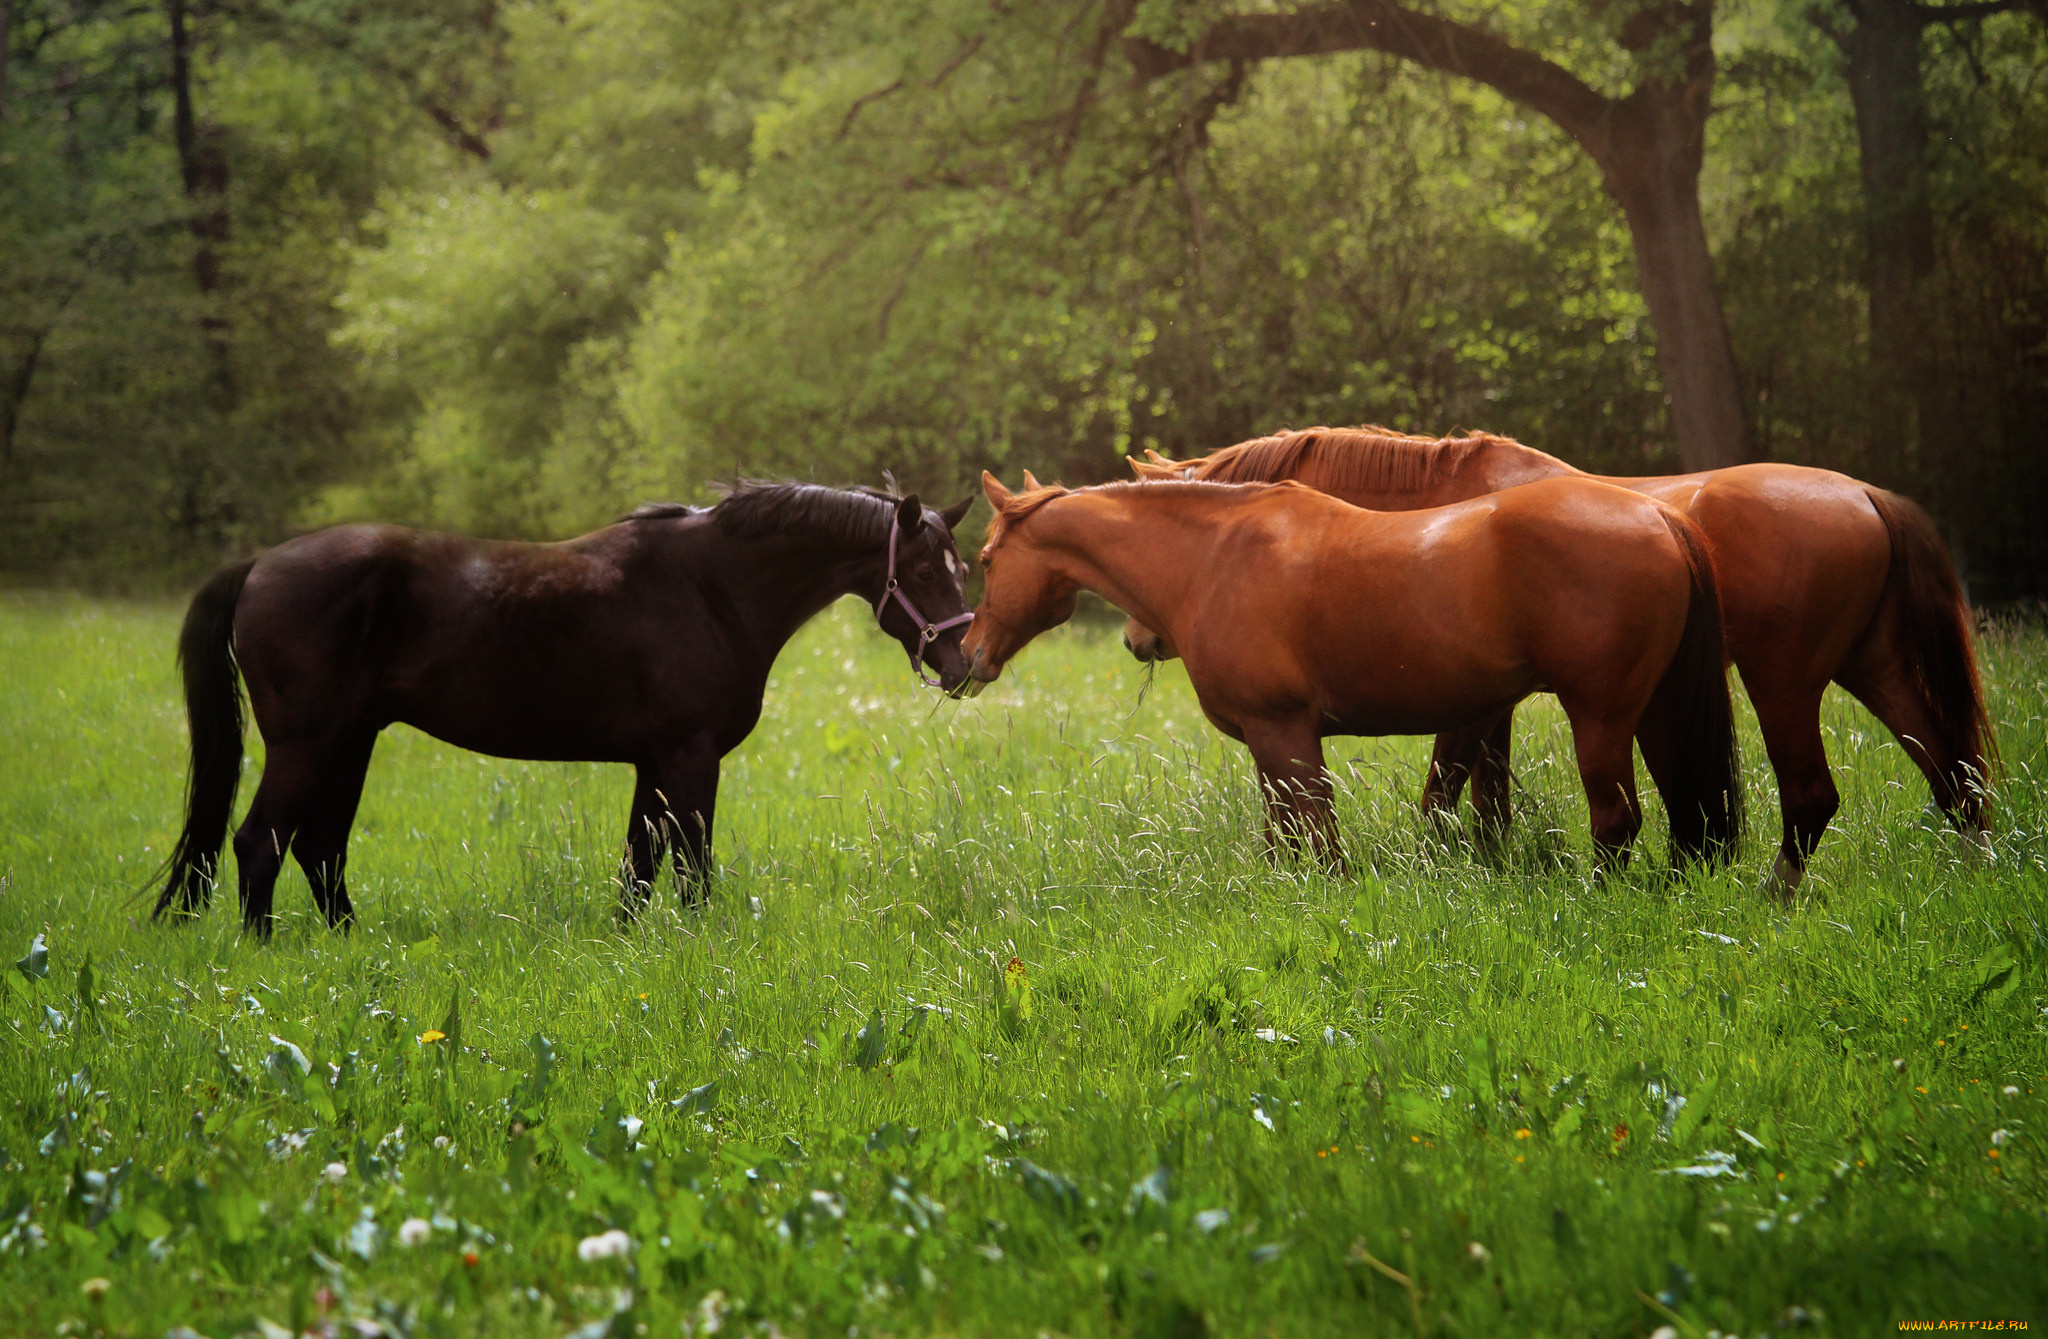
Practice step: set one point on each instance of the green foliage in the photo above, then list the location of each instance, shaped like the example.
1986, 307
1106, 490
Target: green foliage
512, 269
1452, 1093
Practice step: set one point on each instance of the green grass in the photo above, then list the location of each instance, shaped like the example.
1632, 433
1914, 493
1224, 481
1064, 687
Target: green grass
1233, 1096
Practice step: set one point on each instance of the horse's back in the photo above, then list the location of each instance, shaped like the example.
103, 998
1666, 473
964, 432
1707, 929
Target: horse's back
1801, 552
481, 642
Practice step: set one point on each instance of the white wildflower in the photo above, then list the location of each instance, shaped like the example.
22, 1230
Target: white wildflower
413, 1231
605, 1246
335, 1172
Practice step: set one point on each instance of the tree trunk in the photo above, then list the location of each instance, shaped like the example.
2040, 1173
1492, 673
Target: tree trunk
1652, 168
204, 170
15, 394
6, 41
1909, 392
202, 513
1649, 146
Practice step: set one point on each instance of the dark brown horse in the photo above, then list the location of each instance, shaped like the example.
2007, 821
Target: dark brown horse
1823, 578
1300, 616
647, 642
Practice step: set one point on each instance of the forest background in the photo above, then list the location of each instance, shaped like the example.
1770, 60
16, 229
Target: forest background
511, 266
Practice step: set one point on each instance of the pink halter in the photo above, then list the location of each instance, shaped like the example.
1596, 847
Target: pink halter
927, 632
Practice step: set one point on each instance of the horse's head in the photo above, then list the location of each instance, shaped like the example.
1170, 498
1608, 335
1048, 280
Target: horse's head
923, 603
1023, 593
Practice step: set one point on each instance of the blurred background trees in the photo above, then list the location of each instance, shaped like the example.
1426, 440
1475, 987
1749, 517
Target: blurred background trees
512, 267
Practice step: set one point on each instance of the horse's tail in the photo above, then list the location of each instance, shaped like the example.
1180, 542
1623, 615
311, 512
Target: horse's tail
213, 711
1703, 789
1923, 595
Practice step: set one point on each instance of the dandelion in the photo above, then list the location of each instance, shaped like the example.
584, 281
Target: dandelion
334, 1172
440, 1141
432, 1035
1523, 1133
1620, 1132
1998, 1138
1941, 1041
1918, 1088
1480, 1255
2010, 1091
1991, 1153
612, 1245
413, 1231
95, 1288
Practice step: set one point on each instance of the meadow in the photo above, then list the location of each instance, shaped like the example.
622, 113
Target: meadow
1001, 1021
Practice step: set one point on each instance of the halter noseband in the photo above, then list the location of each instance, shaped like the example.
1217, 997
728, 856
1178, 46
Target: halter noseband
928, 632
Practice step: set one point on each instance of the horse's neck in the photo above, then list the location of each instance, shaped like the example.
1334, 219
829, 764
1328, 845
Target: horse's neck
779, 582
1145, 555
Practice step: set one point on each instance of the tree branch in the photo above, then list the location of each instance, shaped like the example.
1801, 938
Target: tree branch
1380, 25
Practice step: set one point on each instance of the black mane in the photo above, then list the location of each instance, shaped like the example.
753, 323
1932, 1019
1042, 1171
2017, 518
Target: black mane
858, 515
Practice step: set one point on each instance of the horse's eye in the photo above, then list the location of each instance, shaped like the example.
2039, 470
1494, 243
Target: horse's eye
924, 572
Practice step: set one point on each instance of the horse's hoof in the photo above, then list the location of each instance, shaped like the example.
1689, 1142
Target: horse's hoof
1786, 874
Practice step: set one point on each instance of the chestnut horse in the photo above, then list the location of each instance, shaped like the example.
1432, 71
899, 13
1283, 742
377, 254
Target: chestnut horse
1822, 579
647, 642
1300, 616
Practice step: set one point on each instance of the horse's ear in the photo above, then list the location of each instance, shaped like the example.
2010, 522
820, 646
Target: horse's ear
992, 488
1158, 459
910, 515
1031, 484
957, 513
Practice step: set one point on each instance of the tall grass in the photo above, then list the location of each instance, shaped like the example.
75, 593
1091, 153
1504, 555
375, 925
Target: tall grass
1448, 1094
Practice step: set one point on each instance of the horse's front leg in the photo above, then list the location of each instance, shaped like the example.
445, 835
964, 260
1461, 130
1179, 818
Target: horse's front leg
1478, 753
1299, 805
673, 806
689, 793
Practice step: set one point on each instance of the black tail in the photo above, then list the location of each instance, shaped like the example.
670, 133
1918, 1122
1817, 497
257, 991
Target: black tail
213, 711
1934, 636
1703, 787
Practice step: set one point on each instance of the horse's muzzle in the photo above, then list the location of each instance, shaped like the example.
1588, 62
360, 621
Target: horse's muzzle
1142, 643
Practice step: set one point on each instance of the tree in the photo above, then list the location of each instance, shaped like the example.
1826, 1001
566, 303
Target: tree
1912, 386
1648, 142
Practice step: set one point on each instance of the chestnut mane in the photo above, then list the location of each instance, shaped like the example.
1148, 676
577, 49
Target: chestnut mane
1369, 459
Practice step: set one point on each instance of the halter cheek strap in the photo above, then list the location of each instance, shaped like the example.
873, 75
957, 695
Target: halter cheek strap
927, 632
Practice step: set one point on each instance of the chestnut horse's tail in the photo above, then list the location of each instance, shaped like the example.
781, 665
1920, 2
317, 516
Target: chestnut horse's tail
213, 711
1702, 788
1932, 620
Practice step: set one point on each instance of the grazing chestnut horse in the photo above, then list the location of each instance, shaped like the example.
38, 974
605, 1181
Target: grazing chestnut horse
1300, 616
647, 642
1822, 578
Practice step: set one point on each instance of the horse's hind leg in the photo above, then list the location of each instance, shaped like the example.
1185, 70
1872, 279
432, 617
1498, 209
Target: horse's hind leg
1879, 674
284, 798
1790, 721
321, 847
1607, 769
